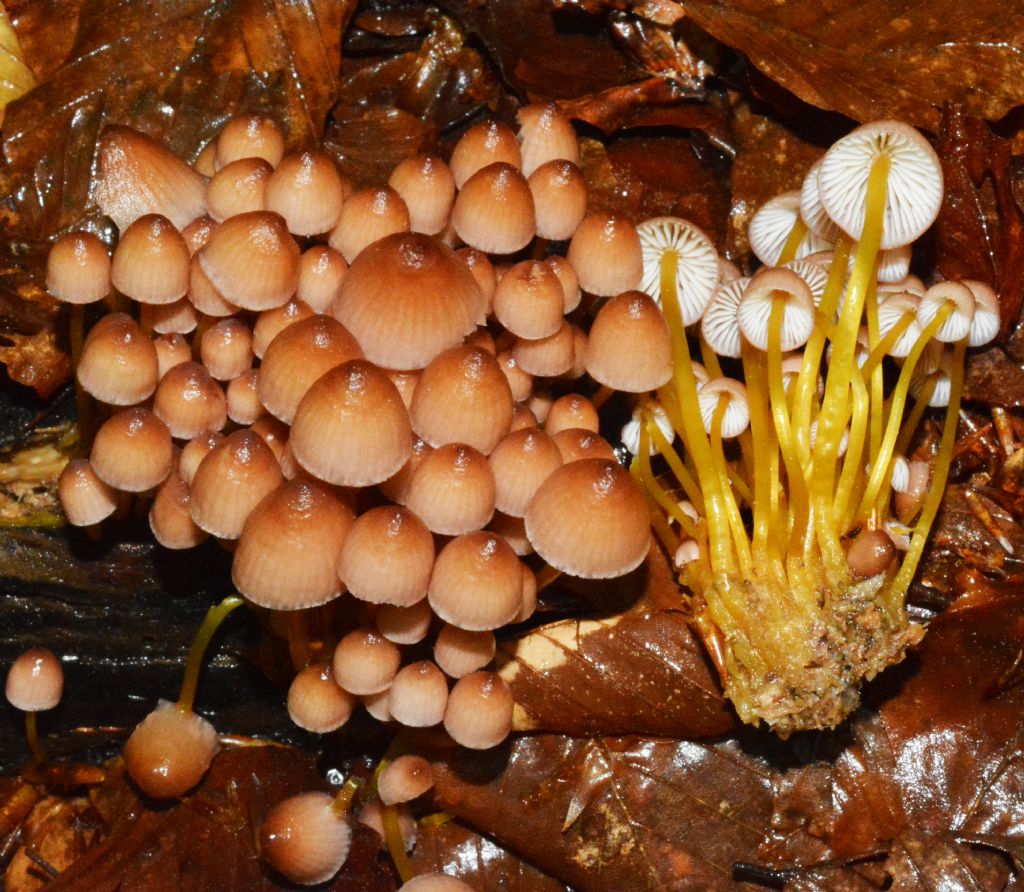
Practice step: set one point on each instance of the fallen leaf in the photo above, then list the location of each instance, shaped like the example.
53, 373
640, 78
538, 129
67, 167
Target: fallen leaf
880, 58
640, 671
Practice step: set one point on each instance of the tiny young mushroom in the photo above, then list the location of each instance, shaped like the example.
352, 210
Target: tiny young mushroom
35, 683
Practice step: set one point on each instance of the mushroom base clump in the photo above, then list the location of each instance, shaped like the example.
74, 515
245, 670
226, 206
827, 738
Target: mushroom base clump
796, 660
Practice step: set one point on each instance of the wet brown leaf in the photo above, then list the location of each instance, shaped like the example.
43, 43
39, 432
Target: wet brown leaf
638, 672
176, 71
454, 849
615, 813
880, 58
209, 839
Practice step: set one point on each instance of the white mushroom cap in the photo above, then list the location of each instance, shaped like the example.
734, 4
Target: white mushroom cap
900, 471
844, 441
813, 211
687, 552
737, 414
914, 184
939, 373
719, 325
814, 275
958, 325
770, 227
756, 306
894, 264
697, 273
986, 313
893, 308
631, 431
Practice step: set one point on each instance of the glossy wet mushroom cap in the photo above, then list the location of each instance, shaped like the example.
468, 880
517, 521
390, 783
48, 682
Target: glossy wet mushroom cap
367, 216
321, 272
316, 702
249, 136
387, 557
307, 190
78, 269
427, 186
84, 497
305, 840
477, 583
119, 364
35, 681
418, 695
452, 490
628, 347
404, 778
189, 401
521, 463
151, 262
170, 518
590, 519
529, 300
485, 143
289, 546
459, 652
494, 211
606, 254
226, 349
132, 451
169, 751
479, 712
238, 188
365, 662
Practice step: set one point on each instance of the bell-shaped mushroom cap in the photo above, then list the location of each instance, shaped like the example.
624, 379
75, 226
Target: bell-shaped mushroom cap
132, 451
321, 272
479, 264
139, 176
590, 519
238, 188
571, 411
521, 463
118, 363
169, 751
482, 144
84, 497
494, 211
477, 583
606, 253
300, 354
418, 695
566, 273
179, 317
387, 557
404, 779
204, 296
365, 662
579, 443
170, 518
244, 406
652, 410
459, 652
958, 325
189, 401
986, 313
226, 349
171, 350
520, 381
366, 217
249, 136
452, 490
737, 411
547, 357
890, 311
151, 262
78, 269
194, 451
396, 487
720, 323
427, 187
252, 260
435, 882
559, 199
462, 397
406, 298
352, 428
812, 211
198, 232
893, 265
35, 681
305, 840
696, 259
913, 186
289, 546
529, 300
545, 134
405, 625
231, 481
479, 713
629, 347
316, 702
307, 190
770, 228
758, 299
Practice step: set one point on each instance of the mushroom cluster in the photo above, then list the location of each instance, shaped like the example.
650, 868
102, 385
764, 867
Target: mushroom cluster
802, 486
350, 389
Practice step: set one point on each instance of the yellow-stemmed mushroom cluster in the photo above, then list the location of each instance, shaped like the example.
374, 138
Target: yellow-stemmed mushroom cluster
795, 513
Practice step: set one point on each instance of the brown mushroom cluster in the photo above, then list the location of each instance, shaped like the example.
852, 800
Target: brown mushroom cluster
351, 389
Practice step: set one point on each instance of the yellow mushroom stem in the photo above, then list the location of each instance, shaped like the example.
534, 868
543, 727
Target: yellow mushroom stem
211, 623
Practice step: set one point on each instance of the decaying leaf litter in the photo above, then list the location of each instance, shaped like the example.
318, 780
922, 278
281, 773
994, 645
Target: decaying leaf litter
847, 810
